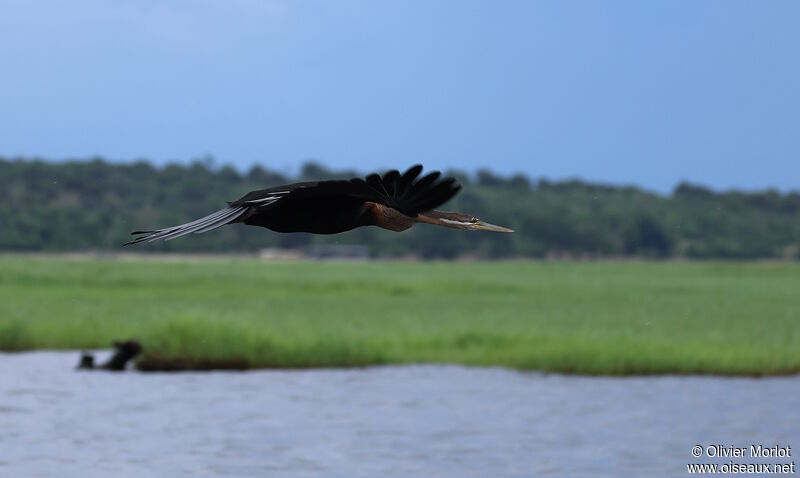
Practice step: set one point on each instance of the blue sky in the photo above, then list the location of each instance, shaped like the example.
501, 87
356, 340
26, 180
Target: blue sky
641, 92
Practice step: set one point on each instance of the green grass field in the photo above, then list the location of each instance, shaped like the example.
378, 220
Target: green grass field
577, 317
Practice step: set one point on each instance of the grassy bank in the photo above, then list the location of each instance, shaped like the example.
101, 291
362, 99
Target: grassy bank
595, 318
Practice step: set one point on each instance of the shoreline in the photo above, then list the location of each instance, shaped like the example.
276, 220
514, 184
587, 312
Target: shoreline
180, 365
599, 318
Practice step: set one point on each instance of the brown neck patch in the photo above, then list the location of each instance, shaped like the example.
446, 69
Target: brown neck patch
388, 218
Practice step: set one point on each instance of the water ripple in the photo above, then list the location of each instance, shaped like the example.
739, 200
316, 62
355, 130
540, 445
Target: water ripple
383, 421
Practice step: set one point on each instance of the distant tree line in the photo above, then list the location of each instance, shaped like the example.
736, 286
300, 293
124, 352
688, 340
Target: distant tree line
93, 205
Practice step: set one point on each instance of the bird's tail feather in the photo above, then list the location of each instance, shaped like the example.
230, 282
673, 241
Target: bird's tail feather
198, 226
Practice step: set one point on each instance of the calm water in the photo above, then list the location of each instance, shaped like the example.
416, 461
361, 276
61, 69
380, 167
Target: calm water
375, 422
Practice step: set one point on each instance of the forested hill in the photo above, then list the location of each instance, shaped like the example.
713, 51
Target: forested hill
93, 205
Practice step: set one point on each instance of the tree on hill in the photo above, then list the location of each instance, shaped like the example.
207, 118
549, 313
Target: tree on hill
93, 205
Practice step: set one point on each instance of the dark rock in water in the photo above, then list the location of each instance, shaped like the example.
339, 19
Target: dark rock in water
123, 353
87, 361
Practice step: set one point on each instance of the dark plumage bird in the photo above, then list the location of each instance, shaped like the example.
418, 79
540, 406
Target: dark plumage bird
393, 201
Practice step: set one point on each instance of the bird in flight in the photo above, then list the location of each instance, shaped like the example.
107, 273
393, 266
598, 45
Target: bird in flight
393, 201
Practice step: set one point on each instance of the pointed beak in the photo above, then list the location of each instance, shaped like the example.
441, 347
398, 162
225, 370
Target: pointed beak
485, 226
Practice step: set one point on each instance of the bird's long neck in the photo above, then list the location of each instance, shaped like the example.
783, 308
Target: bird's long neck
392, 219
456, 220
385, 217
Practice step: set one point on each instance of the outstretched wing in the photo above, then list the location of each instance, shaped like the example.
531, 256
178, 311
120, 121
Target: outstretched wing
408, 192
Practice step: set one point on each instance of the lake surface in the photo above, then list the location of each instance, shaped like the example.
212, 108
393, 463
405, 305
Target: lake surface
404, 421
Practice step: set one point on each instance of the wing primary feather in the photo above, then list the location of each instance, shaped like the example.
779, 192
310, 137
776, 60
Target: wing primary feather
436, 196
390, 182
376, 183
407, 179
422, 185
411, 194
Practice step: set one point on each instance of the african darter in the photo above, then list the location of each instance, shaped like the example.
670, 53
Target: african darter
393, 201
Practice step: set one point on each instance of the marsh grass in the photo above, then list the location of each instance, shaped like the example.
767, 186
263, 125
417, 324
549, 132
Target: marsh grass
575, 317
